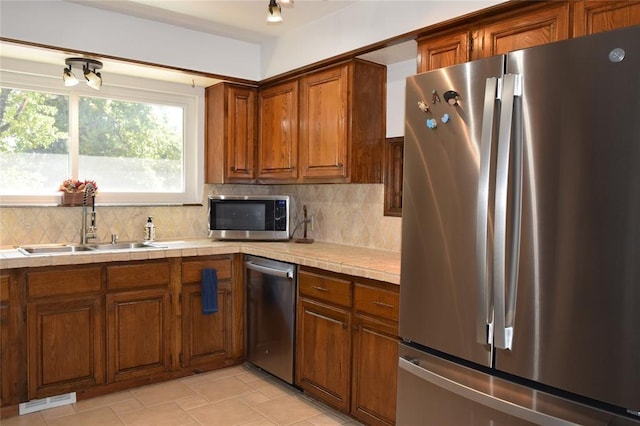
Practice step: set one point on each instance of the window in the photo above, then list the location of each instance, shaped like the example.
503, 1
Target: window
138, 140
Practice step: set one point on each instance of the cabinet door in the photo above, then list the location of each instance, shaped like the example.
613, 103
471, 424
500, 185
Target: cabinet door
278, 132
241, 133
5, 365
375, 364
324, 123
591, 17
206, 339
324, 352
137, 333
230, 133
442, 51
526, 29
65, 341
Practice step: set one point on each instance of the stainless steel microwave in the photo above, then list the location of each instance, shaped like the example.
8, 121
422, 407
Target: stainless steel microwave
249, 217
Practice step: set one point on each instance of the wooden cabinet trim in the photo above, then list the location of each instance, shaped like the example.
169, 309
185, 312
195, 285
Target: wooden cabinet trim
145, 274
68, 281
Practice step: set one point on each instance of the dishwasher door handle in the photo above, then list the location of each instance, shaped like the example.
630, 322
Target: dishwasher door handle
269, 271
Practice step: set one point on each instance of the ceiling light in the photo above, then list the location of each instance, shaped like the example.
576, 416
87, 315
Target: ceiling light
89, 67
274, 12
69, 78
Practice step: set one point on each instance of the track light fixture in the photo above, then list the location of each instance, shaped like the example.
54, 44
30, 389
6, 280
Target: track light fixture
89, 67
275, 10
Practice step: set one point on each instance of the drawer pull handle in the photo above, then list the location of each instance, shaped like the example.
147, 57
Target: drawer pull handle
320, 288
384, 305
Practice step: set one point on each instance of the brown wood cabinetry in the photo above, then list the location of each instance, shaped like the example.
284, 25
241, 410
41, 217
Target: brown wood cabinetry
230, 133
531, 24
326, 126
591, 17
342, 125
208, 340
138, 320
375, 353
5, 365
526, 28
13, 364
347, 345
278, 132
65, 329
443, 50
324, 337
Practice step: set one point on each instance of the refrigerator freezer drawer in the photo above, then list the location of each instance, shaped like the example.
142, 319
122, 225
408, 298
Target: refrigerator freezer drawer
436, 391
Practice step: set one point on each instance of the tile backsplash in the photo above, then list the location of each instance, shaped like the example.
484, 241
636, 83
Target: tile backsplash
349, 214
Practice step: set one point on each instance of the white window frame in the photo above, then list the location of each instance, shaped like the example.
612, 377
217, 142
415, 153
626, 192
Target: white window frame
48, 78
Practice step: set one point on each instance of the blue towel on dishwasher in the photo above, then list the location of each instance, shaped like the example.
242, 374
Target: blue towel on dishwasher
209, 291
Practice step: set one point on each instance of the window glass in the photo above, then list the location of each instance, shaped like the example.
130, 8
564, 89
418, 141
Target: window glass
131, 146
34, 134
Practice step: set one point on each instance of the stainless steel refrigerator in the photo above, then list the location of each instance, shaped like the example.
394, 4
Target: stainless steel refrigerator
520, 277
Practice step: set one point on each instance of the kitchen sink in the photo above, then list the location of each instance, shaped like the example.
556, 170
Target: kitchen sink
72, 248
118, 246
53, 248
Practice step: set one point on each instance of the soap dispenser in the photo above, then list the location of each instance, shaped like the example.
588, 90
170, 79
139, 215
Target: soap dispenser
149, 229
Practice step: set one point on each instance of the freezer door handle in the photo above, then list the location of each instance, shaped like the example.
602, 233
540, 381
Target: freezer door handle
412, 366
269, 271
507, 247
483, 307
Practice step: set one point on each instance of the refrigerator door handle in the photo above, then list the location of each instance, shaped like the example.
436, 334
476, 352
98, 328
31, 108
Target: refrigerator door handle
484, 323
413, 367
509, 126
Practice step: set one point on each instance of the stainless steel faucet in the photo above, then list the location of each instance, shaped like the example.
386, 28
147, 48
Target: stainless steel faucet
84, 235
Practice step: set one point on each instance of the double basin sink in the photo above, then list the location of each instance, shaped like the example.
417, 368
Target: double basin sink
73, 248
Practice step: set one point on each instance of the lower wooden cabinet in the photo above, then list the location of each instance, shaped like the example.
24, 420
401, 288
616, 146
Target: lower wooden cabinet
324, 352
138, 334
139, 317
65, 331
375, 361
98, 328
207, 340
347, 344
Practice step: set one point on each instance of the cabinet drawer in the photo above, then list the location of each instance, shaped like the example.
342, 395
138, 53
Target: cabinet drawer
329, 289
192, 271
63, 281
376, 301
137, 275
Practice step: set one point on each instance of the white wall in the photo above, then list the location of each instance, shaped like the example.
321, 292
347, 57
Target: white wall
73, 26
396, 82
76, 27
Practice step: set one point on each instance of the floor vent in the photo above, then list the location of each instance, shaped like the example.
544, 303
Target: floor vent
44, 403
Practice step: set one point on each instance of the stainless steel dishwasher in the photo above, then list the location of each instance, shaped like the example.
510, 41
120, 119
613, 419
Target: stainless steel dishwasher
270, 291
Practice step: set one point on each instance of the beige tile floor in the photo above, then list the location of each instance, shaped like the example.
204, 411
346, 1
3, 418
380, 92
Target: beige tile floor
240, 395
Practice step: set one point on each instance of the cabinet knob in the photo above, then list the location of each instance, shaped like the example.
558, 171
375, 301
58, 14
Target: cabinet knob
233, 168
340, 165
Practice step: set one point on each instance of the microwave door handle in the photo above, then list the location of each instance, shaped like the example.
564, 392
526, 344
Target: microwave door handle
503, 315
491, 106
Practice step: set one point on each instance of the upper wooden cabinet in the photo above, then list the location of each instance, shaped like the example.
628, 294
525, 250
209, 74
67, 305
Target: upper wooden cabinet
529, 24
230, 133
443, 50
527, 28
591, 17
278, 132
342, 123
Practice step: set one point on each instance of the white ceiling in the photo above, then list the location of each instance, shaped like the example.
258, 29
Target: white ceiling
238, 19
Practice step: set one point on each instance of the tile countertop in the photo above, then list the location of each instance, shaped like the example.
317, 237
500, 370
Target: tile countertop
364, 262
